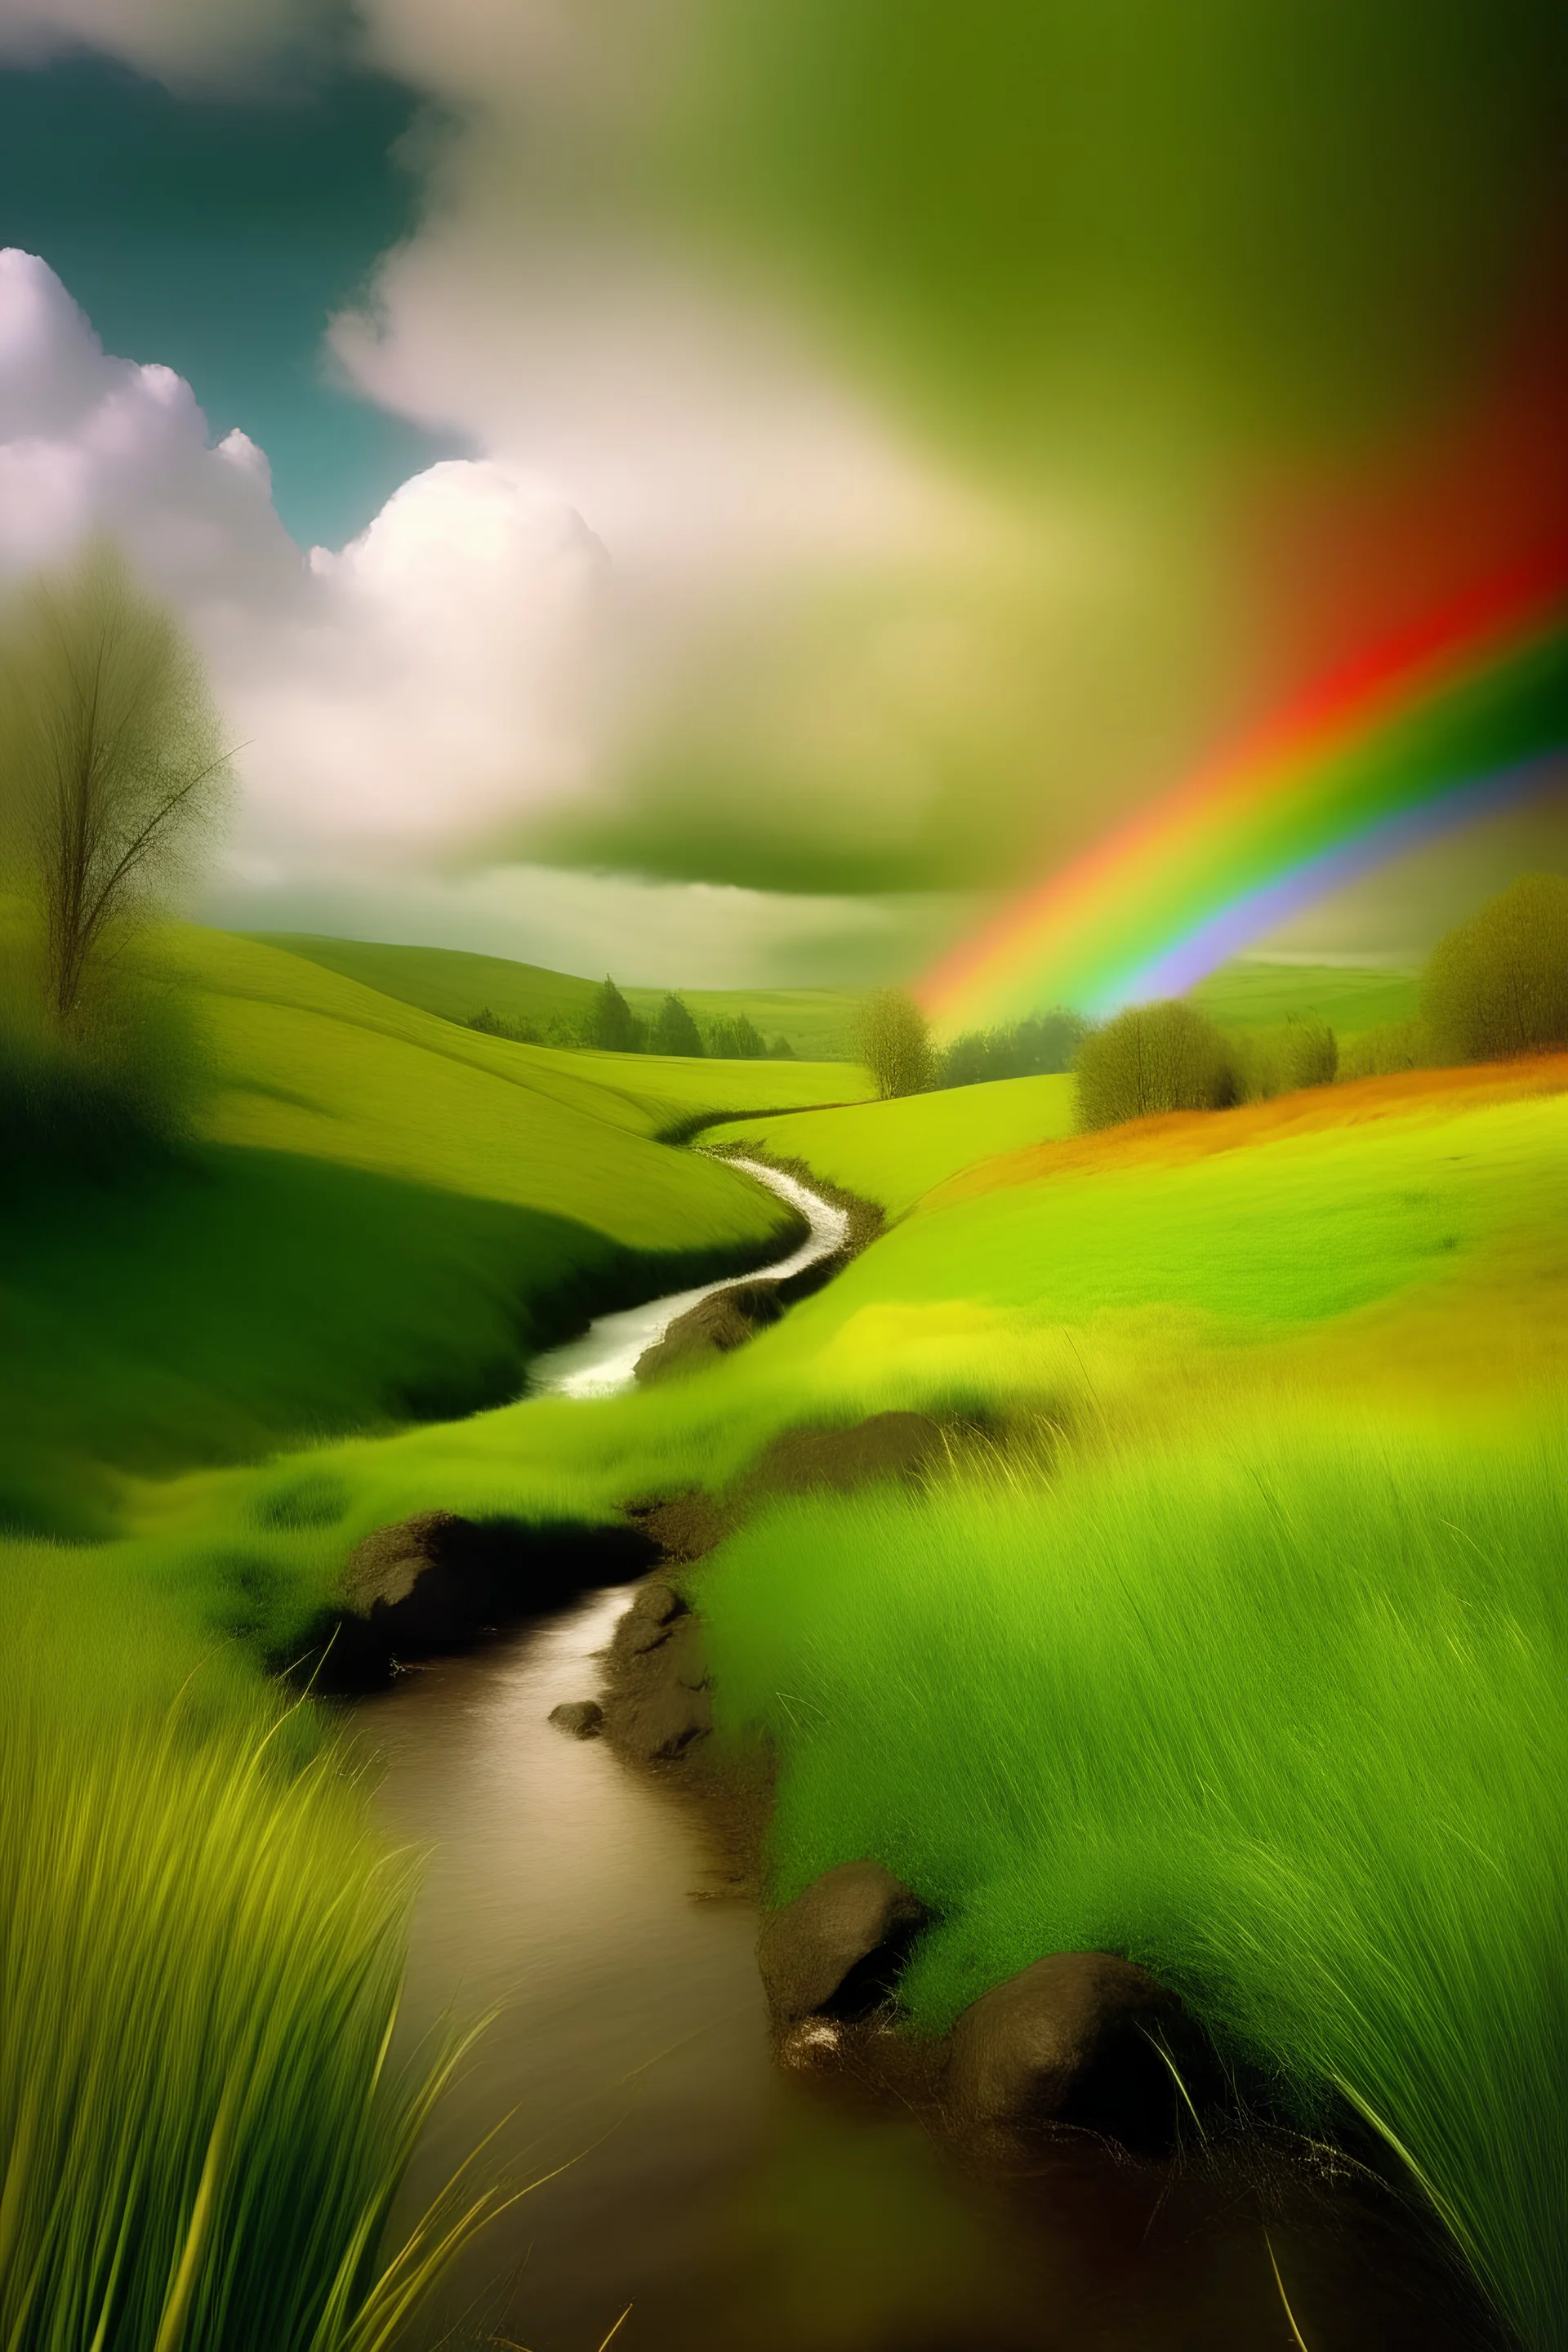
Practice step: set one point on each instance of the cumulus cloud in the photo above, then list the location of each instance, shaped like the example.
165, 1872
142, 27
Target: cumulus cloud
403, 698
436, 683
195, 44
88, 442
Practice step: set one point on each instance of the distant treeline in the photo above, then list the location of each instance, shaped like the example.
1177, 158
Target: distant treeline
610, 1026
1042, 1046
1495, 987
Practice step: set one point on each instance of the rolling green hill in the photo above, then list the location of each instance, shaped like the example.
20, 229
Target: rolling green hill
456, 984
386, 1215
891, 1152
1250, 994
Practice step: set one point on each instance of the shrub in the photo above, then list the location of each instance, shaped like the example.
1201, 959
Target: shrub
1268, 1062
892, 1038
1152, 1057
1384, 1052
1499, 984
491, 1024
673, 1030
781, 1050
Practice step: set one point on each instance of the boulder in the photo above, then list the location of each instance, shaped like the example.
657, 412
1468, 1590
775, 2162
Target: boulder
654, 1725
656, 1700
837, 1951
1067, 2041
582, 1718
397, 1568
655, 1608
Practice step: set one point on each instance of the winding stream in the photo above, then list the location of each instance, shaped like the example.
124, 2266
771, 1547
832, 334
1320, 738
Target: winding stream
603, 1361
681, 2173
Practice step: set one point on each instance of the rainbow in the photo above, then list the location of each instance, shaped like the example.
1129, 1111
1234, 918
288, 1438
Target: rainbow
1447, 725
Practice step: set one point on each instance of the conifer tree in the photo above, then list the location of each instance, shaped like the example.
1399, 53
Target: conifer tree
611, 1026
673, 1030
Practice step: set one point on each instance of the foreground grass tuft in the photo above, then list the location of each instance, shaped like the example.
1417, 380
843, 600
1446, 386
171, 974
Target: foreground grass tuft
1288, 1731
201, 1956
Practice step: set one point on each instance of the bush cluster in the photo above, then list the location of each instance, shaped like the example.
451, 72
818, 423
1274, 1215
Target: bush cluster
1043, 1045
1153, 1057
1301, 1052
1495, 987
1384, 1052
1498, 985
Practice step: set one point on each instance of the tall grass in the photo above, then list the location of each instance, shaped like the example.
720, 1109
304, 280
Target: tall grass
1290, 1732
201, 1952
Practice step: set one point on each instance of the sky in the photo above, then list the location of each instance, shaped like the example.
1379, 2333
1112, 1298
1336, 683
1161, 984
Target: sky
729, 491
216, 233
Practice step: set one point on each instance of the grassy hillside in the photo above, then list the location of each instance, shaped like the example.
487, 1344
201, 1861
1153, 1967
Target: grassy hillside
1395, 1245
1251, 994
456, 983
385, 1216
891, 1152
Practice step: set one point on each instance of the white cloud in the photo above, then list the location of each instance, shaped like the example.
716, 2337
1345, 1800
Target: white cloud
89, 443
197, 45
438, 684
405, 698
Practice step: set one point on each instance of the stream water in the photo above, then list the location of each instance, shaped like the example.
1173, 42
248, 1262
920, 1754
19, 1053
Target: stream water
683, 2178
605, 1359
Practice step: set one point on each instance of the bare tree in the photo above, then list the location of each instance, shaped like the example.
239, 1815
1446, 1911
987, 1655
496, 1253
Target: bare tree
892, 1038
111, 766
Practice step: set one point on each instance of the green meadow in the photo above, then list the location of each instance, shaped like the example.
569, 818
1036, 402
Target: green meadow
1231, 1635
893, 1152
382, 1218
1253, 993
